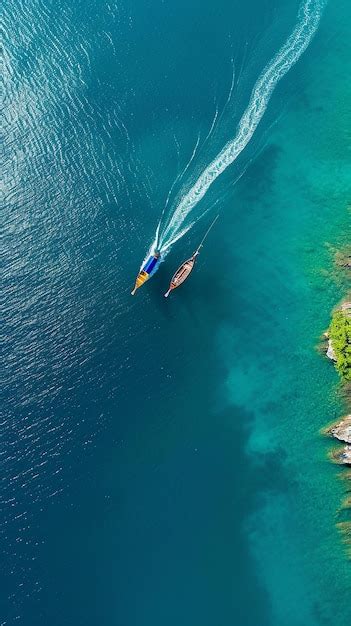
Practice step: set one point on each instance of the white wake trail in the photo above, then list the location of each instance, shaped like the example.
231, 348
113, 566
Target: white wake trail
307, 24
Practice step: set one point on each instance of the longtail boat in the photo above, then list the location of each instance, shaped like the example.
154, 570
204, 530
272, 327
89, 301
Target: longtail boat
150, 266
187, 267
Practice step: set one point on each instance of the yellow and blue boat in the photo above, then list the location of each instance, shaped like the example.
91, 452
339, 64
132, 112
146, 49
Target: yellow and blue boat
147, 270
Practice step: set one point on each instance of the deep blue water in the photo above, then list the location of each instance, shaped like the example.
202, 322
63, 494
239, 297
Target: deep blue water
149, 472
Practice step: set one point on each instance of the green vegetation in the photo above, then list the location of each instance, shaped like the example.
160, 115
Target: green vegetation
340, 336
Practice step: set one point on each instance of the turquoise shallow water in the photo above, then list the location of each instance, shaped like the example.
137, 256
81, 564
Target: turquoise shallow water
161, 460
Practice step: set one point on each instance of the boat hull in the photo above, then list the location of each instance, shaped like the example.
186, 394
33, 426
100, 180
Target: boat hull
181, 274
147, 270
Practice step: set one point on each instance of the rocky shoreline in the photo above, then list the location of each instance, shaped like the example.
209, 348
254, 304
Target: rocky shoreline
337, 348
341, 430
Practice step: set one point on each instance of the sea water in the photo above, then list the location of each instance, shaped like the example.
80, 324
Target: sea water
161, 459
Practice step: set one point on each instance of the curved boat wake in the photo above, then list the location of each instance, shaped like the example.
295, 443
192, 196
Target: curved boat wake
307, 24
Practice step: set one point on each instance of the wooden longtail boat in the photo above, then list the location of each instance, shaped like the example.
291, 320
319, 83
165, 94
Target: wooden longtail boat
187, 267
181, 274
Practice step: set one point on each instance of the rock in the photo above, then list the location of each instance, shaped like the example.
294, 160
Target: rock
343, 258
342, 430
345, 457
330, 351
342, 455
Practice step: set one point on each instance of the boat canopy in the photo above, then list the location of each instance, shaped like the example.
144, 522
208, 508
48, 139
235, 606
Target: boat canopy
151, 264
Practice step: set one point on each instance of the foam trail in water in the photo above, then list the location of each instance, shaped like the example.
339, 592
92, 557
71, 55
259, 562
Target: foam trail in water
308, 20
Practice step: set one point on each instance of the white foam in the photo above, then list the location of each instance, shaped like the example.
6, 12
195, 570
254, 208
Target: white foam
308, 20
